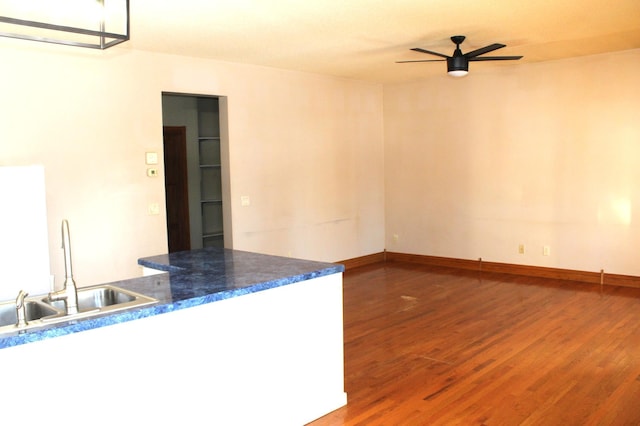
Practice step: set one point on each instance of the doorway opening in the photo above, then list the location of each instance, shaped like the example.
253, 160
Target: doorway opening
196, 171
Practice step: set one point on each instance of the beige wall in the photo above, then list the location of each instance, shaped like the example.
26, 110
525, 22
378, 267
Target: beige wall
306, 149
535, 154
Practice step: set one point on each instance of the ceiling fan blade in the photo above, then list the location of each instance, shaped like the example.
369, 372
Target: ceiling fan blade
496, 58
484, 50
424, 60
417, 49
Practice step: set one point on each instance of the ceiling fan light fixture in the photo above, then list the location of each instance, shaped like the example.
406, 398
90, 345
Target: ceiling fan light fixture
458, 73
457, 66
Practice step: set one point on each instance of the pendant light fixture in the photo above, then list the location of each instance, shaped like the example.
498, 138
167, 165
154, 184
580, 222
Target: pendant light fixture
96, 24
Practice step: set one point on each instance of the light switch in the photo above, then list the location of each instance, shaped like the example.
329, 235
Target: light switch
152, 158
154, 209
152, 172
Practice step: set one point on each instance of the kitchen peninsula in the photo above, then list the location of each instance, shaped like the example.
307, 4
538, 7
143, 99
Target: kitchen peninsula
235, 338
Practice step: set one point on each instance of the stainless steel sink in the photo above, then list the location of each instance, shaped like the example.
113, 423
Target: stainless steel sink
96, 300
101, 299
104, 298
34, 311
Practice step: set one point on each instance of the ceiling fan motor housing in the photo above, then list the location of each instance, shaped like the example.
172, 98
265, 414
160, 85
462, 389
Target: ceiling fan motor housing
457, 63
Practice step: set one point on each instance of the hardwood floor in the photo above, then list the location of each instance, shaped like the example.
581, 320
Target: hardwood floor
434, 346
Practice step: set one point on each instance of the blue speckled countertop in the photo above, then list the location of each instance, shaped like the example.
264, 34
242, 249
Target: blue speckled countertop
194, 278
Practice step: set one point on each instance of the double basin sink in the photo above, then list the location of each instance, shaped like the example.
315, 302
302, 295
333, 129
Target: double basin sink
92, 301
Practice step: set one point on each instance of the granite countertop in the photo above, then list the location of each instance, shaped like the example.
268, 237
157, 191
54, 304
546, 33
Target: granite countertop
193, 278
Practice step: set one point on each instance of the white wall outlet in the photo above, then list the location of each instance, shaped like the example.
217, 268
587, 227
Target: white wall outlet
546, 251
396, 237
245, 201
521, 249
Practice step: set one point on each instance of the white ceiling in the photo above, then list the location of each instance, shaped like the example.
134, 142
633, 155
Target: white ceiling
362, 39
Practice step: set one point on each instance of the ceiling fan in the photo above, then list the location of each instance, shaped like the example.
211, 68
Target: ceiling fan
458, 64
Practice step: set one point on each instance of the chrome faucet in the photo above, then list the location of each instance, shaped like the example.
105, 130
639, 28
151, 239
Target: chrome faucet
21, 309
69, 292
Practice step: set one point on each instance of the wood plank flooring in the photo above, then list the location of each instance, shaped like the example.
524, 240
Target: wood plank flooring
435, 346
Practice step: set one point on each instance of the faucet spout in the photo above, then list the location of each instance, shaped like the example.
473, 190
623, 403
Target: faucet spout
66, 246
69, 292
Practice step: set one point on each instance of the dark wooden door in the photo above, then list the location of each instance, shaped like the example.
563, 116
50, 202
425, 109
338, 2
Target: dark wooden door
175, 182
